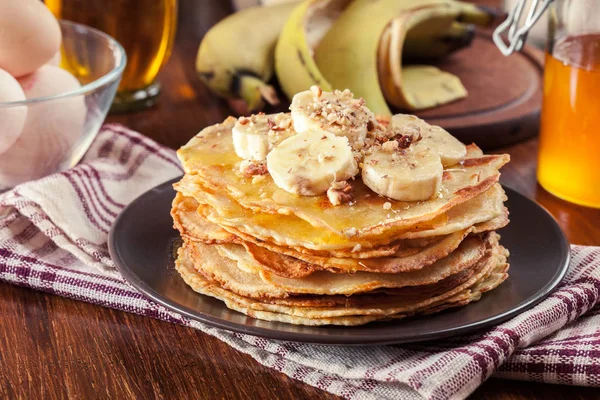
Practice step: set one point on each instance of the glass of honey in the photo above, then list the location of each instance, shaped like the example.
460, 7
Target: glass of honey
569, 154
145, 29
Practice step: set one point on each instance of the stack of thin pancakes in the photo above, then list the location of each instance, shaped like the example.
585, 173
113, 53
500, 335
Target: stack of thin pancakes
281, 257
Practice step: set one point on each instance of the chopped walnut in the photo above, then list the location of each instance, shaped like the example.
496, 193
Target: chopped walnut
277, 127
340, 193
337, 112
358, 157
390, 147
343, 110
274, 126
411, 130
390, 140
422, 152
253, 168
371, 125
351, 232
374, 139
404, 141
316, 90
324, 157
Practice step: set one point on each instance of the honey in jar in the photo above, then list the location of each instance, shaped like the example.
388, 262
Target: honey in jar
569, 154
145, 29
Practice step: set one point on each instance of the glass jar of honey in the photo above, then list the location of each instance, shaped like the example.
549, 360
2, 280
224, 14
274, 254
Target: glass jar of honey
145, 29
569, 152
569, 155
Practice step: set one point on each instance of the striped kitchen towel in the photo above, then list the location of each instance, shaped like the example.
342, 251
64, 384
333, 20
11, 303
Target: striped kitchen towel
53, 235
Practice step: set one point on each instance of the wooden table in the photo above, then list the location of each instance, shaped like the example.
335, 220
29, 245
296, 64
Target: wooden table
52, 347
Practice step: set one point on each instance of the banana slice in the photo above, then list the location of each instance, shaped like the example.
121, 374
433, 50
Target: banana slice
309, 163
450, 149
410, 174
255, 136
336, 112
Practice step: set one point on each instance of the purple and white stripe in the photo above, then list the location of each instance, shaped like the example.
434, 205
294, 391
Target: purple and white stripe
57, 244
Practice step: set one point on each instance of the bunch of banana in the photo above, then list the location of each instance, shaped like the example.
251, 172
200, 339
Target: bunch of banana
354, 44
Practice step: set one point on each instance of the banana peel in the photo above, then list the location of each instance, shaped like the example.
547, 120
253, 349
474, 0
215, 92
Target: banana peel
348, 54
313, 43
418, 86
425, 86
421, 45
425, 33
236, 56
344, 46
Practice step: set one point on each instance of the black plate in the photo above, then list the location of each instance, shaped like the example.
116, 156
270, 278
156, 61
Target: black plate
142, 237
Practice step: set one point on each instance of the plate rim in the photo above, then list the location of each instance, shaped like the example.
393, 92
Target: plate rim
331, 339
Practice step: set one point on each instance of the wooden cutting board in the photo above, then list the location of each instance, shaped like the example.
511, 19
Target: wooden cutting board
505, 95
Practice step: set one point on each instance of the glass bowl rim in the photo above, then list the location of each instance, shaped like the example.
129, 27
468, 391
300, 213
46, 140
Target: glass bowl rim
112, 75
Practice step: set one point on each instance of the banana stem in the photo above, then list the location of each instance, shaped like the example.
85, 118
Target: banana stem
255, 92
268, 93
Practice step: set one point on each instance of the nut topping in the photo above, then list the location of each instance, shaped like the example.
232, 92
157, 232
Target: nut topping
340, 193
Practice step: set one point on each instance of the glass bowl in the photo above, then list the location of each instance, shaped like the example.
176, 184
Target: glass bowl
59, 129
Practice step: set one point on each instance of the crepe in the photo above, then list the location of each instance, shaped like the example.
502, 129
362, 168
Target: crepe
298, 259
231, 266
209, 160
328, 283
192, 226
486, 212
407, 259
294, 233
489, 274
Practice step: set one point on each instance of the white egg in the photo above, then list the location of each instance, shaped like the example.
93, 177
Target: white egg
29, 36
52, 127
55, 60
12, 119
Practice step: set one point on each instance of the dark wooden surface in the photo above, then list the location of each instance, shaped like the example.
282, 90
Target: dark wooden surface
504, 94
55, 348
